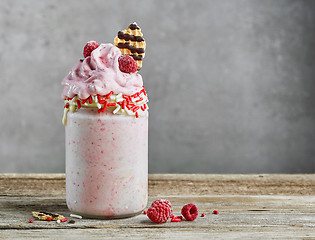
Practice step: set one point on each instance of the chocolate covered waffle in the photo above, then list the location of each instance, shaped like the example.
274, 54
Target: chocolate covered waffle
131, 42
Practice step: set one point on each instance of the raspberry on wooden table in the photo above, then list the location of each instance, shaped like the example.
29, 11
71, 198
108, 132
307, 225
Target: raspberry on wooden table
160, 211
190, 212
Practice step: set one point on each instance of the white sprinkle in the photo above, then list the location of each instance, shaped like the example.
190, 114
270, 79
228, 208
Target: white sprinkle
142, 102
58, 221
119, 99
118, 96
99, 105
72, 101
129, 112
72, 107
116, 109
75, 216
112, 97
96, 99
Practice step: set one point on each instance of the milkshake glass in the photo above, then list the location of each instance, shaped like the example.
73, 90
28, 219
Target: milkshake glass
106, 126
106, 163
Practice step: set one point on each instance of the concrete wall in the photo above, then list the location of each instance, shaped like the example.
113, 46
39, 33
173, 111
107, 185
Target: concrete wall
231, 83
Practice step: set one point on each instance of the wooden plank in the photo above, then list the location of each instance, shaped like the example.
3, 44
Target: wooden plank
15, 211
161, 233
173, 184
250, 206
241, 215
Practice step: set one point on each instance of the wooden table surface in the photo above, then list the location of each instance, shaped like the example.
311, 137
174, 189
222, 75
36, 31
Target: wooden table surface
267, 206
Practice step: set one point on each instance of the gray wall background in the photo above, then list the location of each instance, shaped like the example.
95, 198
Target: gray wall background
238, 78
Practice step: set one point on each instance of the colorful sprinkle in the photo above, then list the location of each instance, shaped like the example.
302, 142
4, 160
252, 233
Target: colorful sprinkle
128, 105
100, 99
140, 99
78, 103
105, 106
136, 108
109, 94
143, 91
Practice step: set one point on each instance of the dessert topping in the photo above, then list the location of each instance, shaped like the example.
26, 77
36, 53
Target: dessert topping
135, 104
127, 64
131, 42
89, 47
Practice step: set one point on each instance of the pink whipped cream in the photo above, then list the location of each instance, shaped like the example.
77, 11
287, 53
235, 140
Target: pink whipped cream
100, 74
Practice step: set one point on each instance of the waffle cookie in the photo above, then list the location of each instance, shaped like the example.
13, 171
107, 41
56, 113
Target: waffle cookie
45, 215
131, 42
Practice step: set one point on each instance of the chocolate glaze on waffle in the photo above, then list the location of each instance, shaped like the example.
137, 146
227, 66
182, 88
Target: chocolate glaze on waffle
131, 42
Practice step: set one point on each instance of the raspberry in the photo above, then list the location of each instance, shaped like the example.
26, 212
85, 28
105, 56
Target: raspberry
127, 64
89, 47
190, 212
160, 211
31, 221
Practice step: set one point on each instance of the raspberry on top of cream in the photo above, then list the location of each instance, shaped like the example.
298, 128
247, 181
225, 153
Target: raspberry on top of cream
99, 74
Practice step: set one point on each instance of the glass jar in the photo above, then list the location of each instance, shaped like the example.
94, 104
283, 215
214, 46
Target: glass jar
106, 163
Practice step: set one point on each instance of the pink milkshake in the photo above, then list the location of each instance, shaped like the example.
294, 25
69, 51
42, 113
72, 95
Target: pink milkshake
106, 123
